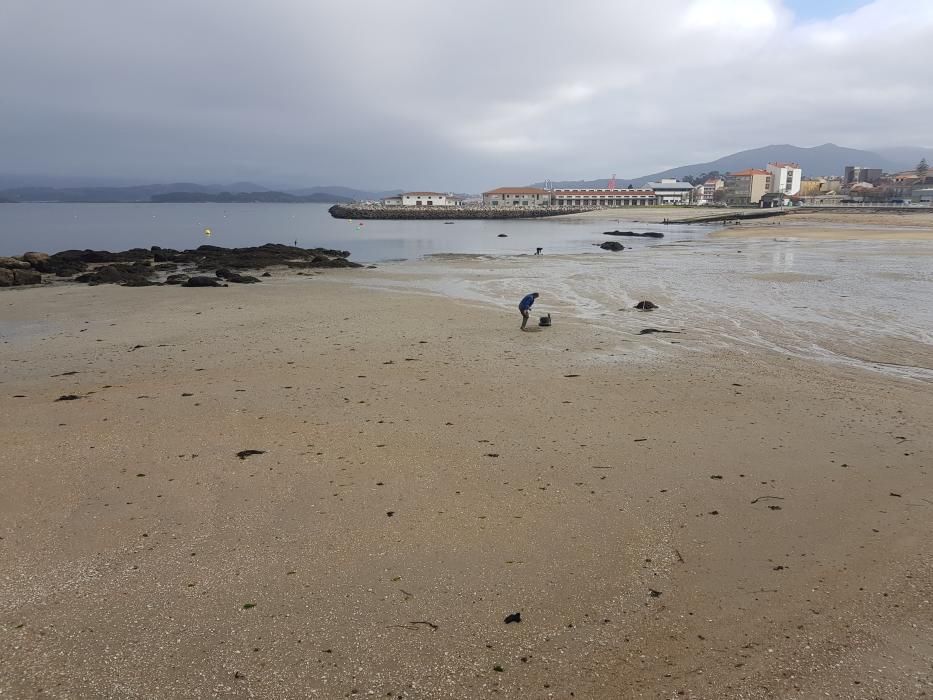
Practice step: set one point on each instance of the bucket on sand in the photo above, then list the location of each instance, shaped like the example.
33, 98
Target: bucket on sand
545, 320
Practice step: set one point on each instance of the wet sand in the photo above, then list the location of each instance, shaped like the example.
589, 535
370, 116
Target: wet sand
728, 524
855, 225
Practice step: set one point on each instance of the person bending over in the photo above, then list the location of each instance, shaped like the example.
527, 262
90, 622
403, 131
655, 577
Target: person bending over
525, 307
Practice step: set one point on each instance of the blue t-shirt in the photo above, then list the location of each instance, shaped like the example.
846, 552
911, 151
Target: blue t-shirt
526, 303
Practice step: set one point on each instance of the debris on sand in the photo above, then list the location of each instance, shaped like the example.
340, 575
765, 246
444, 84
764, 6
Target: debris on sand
647, 331
243, 454
69, 397
514, 617
764, 498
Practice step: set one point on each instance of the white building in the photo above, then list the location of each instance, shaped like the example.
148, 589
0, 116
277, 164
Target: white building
517, 197
671, 191
785, 177
423, 199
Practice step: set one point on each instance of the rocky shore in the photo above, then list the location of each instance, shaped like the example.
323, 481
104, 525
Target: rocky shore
142, 267
370, 211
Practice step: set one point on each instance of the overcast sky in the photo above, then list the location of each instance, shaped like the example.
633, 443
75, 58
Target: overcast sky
448, 95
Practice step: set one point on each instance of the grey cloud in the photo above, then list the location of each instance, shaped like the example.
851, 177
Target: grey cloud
444, 95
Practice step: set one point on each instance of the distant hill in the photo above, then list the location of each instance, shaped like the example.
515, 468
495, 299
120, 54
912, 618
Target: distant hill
247, 197
347, 192
24, 190
905, 157
828, 159
137, 193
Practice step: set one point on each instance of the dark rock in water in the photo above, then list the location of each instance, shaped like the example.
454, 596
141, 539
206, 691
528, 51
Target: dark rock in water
267, 274
72, 262
205, 258
646, 305
201, 281
648, 331
18, 277
176, 279
644, 234
136, 275
503, 235
614, 246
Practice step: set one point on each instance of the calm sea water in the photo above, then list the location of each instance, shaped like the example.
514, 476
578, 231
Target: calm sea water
860, 303
53, 227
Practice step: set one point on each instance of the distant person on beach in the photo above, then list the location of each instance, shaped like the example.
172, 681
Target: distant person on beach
524, 306
538, 251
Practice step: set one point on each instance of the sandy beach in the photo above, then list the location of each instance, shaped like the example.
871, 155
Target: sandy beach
732, 523
853, 225
809, 224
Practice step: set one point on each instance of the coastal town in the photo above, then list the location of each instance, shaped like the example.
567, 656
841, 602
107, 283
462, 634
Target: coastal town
779, 184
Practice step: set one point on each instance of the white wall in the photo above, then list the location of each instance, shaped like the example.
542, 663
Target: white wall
779, 177
433, 200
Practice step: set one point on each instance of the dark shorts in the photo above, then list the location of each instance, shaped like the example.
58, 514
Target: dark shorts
524, 312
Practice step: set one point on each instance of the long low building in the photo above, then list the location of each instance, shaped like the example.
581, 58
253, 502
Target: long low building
517, 197
603, 198
568, 197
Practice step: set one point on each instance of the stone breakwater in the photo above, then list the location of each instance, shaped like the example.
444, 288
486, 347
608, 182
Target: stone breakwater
369, 211
143, 267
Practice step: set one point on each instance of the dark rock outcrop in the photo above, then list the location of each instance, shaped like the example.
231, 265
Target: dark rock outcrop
646, 305
34, 258
644, 234
135, 275
14, 264
138, 266
176, 279
225, 274
614, 246
203, 281
18, 278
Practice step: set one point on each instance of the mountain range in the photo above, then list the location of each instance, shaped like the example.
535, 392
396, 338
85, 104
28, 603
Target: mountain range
828, 159
180, 191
